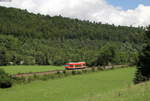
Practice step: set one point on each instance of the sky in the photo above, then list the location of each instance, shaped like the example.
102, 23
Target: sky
128, 4
118, 12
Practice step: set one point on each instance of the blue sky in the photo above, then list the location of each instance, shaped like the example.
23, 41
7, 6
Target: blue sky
128, 4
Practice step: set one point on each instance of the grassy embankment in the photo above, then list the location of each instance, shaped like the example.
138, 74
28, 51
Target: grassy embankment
140, 92
27, 69
107, 85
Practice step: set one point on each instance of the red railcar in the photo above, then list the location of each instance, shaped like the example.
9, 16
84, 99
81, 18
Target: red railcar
75, 65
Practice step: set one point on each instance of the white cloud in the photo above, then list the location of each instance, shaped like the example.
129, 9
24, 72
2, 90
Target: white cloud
93, 10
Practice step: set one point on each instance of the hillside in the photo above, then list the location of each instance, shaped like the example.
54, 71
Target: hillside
27, 38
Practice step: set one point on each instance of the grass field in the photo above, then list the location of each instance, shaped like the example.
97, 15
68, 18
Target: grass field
104, 85
27, 69
139, 92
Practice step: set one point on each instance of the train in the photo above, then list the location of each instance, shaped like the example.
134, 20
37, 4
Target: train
75, 65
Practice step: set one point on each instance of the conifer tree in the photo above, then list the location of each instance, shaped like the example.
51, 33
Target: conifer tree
143, 72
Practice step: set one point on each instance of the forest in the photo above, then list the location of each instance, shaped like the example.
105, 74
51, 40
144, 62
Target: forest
36, 39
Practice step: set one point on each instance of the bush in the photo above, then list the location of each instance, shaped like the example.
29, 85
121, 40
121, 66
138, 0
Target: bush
100, 69
139, 78
74, 72
5, 79
64, 71
84, 71
93, 69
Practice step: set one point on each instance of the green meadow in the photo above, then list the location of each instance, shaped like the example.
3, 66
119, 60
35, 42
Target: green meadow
109, 85
27, 69
139, 92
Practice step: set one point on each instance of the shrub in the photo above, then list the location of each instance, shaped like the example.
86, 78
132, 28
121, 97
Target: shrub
5, 79
74, 72
139, 78
93, 69
100, 68
84, 71
80, 72
58, 72
64, 71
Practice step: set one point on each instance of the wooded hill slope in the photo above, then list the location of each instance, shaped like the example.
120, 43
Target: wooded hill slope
27, 38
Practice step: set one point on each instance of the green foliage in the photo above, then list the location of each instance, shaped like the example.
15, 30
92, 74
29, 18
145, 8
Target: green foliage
74, 72
106, 56
2, 58
143, 72
5, 79
29, 39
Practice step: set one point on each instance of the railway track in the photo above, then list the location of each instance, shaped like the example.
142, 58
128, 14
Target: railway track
56, 71
37, 73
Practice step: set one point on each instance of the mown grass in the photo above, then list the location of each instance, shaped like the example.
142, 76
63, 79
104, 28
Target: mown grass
73, 88
27, 69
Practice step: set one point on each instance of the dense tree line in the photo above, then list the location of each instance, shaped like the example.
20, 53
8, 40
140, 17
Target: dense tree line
27, 38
